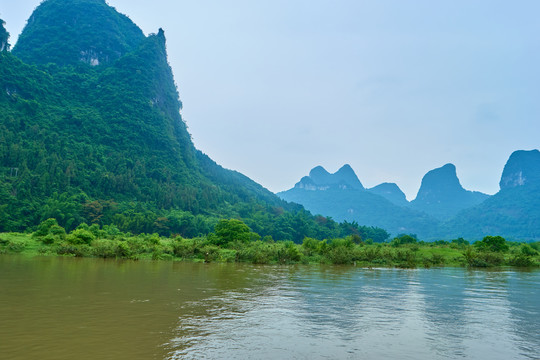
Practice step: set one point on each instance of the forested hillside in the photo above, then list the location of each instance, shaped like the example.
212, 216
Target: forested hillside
91, 131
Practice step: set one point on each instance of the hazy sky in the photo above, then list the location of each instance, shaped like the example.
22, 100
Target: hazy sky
394, 88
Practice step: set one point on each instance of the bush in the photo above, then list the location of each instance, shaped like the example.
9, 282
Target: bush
341, 255
66, 248
49, 232
483, 259
48, 239
288, 252
104, 249
210, 253
15, 247
492, 243
310, 246
370, 253
522, 260
528, 250
44, 227
80, 236
184, 248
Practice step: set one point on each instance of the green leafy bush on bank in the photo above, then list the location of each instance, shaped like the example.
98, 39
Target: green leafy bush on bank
233, 241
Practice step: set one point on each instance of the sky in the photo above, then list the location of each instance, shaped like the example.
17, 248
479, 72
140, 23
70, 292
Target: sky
394, 88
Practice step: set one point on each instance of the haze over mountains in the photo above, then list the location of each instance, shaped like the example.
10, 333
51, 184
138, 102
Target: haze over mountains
442, 207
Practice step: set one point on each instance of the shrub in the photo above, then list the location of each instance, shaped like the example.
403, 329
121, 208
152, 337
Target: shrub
341, 255
492, 243
104, 249
80, 236
44, 227
184, 248
310, 246
15, 247
522, 260
288, 252
370, 253
48, 239
66, 248
210, 253
483, 259
528, 250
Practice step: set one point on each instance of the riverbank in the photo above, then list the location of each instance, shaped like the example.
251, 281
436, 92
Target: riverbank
401, 252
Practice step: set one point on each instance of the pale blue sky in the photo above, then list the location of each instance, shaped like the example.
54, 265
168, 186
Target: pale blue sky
394, 88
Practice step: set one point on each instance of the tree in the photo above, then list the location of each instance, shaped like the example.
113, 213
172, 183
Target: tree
232, 230
492, 243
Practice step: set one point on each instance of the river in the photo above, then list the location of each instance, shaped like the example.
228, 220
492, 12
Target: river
66, 308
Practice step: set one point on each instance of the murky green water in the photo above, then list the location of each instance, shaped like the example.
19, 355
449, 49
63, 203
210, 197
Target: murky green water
54, 308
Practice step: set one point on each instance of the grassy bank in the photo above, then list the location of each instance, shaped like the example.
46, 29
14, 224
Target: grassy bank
227, 245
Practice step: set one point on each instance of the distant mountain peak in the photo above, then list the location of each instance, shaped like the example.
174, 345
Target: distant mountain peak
442, 195
522, 168
391, 192
442, 179
320, 179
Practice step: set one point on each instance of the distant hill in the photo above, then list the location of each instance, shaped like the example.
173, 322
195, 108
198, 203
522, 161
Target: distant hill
342, 197
514, 211
91, 131
442, 208
442, 196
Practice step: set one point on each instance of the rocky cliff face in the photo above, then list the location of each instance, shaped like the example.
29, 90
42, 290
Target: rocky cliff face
521, 169
4, 37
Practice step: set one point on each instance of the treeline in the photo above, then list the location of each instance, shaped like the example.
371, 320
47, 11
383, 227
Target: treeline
233, 241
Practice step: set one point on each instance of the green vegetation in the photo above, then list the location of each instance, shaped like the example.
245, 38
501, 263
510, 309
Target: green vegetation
233, 241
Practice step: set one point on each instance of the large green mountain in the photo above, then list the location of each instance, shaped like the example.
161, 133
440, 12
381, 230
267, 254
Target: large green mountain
91, 131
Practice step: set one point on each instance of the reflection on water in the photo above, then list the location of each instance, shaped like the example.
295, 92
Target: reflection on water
54, 308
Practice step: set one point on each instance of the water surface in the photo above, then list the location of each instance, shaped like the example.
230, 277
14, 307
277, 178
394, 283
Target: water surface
64, 308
